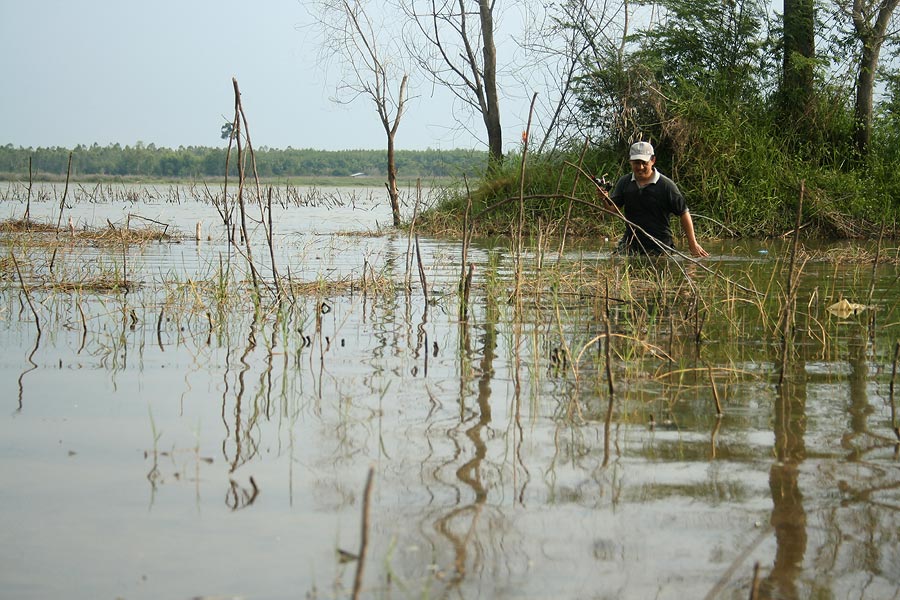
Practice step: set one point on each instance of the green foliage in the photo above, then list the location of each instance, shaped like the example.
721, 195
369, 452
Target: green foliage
734, 164
702, 86
550, 182
710, 44
886, 131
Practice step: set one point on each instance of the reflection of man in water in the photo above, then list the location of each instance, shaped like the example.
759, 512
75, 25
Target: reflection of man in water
648, 198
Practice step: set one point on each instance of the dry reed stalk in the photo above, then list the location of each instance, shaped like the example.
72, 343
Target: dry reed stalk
872, 284
409, 238
84, 329
62, 205
787, 312
27, 216
520, 225
565, 230
467, 291
270, 235
754, 586
713, 437
893, 378
159, 322
712, 384
37, 320
607, 328
364, 535
238, 110
466, 268
422, 279
267, 229
607, 422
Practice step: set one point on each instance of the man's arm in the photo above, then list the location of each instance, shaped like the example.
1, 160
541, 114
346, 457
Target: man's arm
687, 225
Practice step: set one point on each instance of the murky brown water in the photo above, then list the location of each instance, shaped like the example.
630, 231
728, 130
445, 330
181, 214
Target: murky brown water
168, 443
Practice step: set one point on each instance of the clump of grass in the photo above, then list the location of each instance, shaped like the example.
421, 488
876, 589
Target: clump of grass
853, 254
25, 226
99, 284
109, 235
123, 236
372, 283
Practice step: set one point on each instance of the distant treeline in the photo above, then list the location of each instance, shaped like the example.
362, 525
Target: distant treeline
150, 161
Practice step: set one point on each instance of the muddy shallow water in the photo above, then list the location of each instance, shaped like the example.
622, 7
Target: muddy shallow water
175, 442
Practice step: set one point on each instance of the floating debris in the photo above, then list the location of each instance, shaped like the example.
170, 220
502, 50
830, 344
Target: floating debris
844, 309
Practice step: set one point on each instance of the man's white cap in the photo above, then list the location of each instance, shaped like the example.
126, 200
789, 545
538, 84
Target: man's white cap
641, 151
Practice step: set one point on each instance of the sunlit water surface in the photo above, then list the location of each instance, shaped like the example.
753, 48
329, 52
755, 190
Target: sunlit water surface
154, 447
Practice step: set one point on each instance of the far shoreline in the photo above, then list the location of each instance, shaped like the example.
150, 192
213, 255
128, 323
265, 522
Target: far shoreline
364, 181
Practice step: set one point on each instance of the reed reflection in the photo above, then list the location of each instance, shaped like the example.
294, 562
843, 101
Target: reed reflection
859, 409
788, 514
460, 524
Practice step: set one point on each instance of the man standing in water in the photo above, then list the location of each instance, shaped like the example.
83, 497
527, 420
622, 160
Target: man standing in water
647, 198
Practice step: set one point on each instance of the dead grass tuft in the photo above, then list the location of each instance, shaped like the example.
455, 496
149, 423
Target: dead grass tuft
25, 226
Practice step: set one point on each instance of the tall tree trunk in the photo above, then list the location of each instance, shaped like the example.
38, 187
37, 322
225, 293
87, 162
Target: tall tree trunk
393, 192
492, 114
865, 84
797, 92
871, 37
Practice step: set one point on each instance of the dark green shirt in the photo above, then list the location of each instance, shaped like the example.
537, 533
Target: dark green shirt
649, 208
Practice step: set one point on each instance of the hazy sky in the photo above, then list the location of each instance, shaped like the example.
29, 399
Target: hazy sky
108, 71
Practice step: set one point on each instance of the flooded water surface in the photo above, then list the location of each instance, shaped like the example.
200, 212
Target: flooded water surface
193, 417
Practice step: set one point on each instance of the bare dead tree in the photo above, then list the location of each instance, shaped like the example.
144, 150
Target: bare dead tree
562, 43
453, 42
369, 66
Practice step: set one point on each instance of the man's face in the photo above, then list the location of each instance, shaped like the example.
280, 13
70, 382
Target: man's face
643, 169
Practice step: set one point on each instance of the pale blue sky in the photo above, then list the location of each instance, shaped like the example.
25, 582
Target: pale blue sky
160, 72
